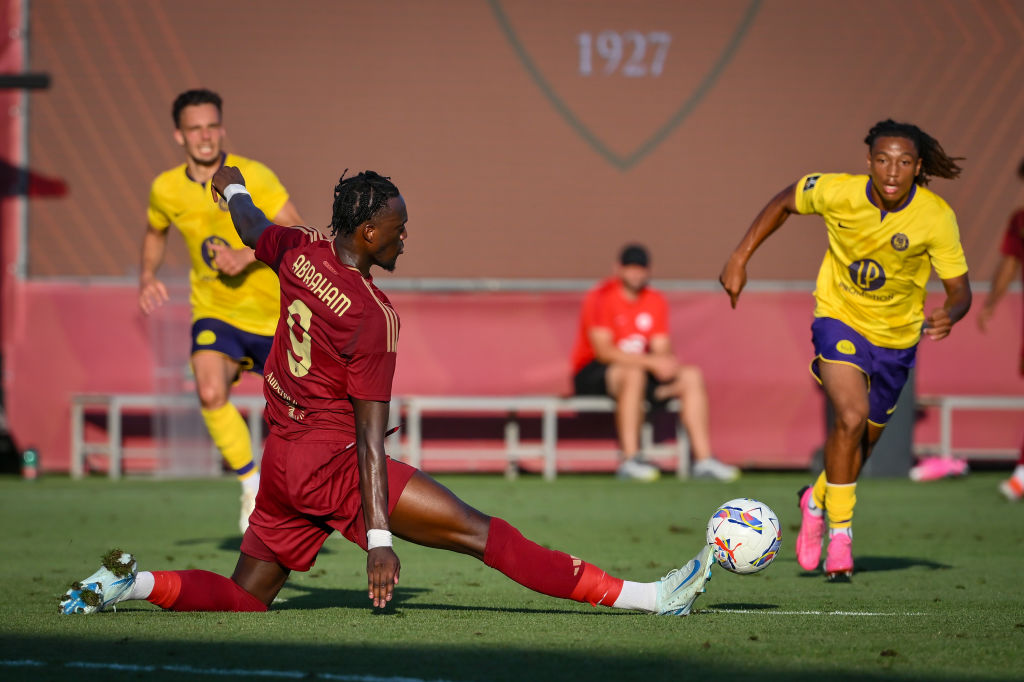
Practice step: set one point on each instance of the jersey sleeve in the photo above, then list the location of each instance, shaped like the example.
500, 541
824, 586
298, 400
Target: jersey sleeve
1013, 238
277, 239
267, 191
812, 192
157, 213
945, 250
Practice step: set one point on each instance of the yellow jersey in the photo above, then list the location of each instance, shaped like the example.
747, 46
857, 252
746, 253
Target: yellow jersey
878, 262
249, 300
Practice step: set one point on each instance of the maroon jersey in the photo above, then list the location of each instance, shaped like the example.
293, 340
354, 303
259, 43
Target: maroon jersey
336, 338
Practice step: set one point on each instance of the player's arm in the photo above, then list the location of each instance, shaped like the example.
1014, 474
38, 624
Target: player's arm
382, 564
248, 219
152, 292
734, 275
607, 353
958, 301
1001, 278
664, 363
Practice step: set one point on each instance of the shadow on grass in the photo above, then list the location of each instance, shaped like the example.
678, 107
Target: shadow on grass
88, 658
873, 564
741, 606
894, 563
406, 598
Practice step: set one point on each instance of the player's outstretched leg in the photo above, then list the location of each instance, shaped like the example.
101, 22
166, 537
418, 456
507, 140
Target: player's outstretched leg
429, 514
118, 580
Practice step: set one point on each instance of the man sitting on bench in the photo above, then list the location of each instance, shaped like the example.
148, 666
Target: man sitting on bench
623, 350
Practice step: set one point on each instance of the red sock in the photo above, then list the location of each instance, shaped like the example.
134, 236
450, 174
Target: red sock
547, 571
200, 591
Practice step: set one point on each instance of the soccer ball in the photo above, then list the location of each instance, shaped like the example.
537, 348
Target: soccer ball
745, 535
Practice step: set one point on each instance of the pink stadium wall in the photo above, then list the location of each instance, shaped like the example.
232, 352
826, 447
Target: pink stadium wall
766, 410
523, 152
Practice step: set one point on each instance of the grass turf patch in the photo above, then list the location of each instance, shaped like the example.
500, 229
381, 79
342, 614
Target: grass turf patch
935, 595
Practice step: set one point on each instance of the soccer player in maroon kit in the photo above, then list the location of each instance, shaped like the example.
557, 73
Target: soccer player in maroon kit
328, 385
1012, 249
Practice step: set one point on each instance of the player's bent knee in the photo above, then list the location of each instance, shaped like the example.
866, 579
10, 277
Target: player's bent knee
851, 421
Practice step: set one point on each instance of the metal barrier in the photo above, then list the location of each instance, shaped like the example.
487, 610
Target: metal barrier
114, 405
549, 408
412, 408
947, 404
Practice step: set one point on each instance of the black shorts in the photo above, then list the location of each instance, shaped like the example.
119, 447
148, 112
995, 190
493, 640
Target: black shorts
591, 380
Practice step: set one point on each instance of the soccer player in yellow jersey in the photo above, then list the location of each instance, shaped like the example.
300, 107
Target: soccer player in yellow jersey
234, 298
886, 232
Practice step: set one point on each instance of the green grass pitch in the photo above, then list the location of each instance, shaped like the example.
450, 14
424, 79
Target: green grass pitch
938, 593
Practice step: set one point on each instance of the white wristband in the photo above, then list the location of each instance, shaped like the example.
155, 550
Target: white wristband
232, 190
375, 537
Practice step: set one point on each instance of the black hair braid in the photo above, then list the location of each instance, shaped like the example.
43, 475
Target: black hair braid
358, 199
934, 160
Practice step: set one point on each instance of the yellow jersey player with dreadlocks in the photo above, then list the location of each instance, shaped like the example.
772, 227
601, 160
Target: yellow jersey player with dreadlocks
886, 232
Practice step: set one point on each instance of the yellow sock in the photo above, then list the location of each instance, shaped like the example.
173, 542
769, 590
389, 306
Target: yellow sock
818, 491
839, 502
231, 436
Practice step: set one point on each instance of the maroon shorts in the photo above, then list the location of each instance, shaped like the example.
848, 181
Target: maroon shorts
306, 491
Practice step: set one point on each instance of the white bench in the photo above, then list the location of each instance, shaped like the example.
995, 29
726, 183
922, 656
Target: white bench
407, 446
114, 405
947, 404
549, 408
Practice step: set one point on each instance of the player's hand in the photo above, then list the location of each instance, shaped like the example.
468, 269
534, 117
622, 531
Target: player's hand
231, 261
225, 175
152, 294
382, 569
733, 278
938, 324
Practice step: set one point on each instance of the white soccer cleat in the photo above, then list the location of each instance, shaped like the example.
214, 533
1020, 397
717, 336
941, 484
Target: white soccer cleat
248, 505
111, 584
680, 588
713, 469
633, 469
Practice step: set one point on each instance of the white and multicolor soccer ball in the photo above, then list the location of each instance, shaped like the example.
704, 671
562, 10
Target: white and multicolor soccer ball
745, 535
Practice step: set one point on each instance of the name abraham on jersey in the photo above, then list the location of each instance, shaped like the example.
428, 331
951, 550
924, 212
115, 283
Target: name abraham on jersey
321, 286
